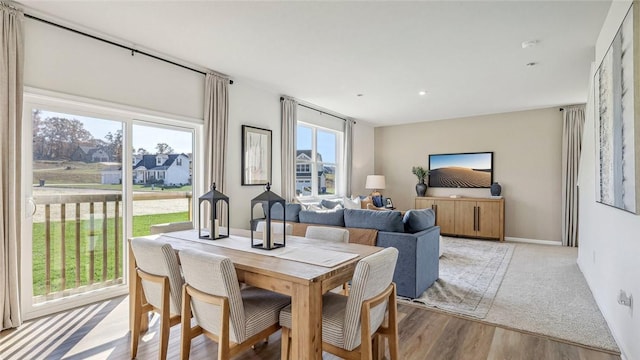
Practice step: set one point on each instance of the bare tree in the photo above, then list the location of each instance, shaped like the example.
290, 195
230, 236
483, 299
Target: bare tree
164, 148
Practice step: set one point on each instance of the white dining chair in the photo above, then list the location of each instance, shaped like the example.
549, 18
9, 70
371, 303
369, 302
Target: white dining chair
351, 323
327, 233
158, 289
234, 318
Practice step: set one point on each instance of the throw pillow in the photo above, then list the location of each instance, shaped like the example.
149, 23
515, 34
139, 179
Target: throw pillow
330, 204
292, 211
351, 203
418, 220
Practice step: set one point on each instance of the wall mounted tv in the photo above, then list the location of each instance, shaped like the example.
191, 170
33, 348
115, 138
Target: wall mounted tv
464, 170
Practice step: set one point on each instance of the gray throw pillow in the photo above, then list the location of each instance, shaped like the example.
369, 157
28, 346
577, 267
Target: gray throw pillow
372, 219
277, 212
418, 220
328, 204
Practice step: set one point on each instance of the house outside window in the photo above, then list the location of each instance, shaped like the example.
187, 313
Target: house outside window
318, 161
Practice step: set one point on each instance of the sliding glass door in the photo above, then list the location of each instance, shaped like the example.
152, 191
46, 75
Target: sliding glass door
85, 195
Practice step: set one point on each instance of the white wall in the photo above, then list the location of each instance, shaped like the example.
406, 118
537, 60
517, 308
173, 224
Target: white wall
527, 161
363, 157
609, 243
62, 61
250, 105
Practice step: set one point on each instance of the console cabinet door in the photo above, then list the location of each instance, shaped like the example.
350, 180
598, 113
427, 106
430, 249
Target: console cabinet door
446, 216
465, 213
488, 219
425, 203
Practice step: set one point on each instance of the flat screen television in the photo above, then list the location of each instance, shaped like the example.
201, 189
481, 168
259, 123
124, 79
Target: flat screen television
464, 170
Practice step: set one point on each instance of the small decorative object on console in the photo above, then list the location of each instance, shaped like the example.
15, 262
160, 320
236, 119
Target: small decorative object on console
496, 189
421, 173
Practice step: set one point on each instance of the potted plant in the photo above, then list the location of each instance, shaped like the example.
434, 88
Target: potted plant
421, 173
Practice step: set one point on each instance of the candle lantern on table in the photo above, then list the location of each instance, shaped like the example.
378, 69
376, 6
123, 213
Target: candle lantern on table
212, 222
265, 233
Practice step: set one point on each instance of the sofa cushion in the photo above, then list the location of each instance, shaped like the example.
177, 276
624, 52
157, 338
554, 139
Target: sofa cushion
292, 212
335, 218
371, 219
418, 220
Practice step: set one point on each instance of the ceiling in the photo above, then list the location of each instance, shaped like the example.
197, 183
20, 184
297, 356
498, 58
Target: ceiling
467, 56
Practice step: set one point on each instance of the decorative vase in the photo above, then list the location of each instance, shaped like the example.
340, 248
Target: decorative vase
496, 189
421, 188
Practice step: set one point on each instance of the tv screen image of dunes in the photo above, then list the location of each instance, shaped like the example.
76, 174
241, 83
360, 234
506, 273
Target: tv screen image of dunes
460, 177
460, 170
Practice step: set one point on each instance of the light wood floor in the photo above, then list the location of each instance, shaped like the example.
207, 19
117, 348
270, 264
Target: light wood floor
100, 331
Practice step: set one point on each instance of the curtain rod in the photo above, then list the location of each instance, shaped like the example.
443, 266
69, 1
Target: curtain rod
320, 111
133, 51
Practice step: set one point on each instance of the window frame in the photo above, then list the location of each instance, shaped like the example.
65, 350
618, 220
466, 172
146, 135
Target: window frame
314, 164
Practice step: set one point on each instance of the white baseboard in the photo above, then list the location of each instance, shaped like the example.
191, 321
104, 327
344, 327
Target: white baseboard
533, 241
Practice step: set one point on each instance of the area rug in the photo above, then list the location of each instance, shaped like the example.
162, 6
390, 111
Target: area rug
537, 289
470, 274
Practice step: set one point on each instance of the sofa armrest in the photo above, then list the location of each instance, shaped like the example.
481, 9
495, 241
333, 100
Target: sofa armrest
418, 263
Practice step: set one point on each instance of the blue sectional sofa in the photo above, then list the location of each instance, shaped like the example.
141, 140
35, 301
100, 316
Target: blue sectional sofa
414, 234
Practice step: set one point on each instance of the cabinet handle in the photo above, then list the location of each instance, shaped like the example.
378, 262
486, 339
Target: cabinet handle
475, 208
478, 216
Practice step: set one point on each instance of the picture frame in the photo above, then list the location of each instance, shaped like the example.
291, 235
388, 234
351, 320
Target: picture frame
617, 119
256, 155
389, 203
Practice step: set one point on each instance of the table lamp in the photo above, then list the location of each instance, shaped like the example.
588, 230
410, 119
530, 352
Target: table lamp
375, 183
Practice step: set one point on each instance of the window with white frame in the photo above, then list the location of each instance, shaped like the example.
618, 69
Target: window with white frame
318, 161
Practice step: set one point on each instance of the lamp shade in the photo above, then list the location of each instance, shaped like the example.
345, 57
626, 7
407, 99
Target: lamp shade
375, 182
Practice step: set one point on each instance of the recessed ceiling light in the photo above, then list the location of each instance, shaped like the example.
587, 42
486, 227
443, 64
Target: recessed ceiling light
530, 43
531, 64
422, 93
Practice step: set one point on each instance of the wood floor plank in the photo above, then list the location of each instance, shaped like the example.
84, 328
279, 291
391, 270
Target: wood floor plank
100, 331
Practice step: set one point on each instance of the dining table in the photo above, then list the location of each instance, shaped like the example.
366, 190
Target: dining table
304, 269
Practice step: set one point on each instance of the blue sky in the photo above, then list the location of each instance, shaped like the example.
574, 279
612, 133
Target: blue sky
473, 161
143, 136
326, 142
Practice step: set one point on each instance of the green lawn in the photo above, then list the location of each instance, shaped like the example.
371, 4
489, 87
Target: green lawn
141, 226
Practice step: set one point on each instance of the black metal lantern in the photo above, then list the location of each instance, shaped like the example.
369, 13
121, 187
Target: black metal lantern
212, 227
268, 236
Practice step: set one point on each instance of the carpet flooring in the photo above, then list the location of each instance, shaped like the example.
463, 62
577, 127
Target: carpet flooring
542, 291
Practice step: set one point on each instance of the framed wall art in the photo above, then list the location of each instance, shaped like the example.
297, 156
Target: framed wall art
617, 119
256, 155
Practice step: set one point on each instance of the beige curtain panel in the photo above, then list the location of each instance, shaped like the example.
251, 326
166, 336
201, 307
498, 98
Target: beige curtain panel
348, 154
216, 124
11, 87
573, 124
289, 113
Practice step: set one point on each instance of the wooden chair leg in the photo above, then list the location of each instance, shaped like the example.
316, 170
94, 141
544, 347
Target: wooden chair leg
164, 321
137, 318
223, 338
345, 289
185, 338
286, 344
393, 326
375, 346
